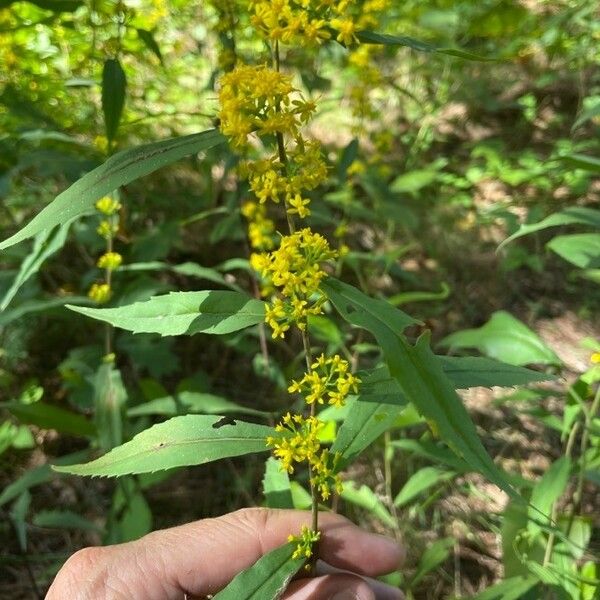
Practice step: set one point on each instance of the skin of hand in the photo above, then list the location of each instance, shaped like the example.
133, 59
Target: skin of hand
201, 558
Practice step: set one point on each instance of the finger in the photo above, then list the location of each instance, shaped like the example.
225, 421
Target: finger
382, 591
330, 587
203, 557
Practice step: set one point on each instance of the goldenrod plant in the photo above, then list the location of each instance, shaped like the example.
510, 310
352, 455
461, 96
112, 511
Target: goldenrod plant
311, 151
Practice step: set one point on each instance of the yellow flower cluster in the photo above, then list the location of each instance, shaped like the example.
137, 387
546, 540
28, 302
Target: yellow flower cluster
108, 207
294, 269
305, 170
260, 227
100, 292
303, 21
304, 542
258, 99
329, 379
110, 261
299, 443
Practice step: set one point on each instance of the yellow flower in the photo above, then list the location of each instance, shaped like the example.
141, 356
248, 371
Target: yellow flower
110, 261
324, 477
304, 542
328, 380
256, 98
299, 442
346, 29
107, 229
595, 358
107, 205
100, 292
260, 228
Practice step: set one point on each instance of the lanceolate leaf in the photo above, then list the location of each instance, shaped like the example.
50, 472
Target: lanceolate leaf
370, 37
177, 313
179, 442
421, 379
120, 169
463, 371
579, 215
192, 402
114, 84
266, 579
580, 249
276, 485
366, 498
365, 422
46, 244
504, 338
48, 416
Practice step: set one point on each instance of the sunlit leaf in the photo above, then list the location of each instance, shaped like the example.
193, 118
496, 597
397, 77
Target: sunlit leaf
121, 169
366, 498
215, 312
504, 338
421, 481
180, 441
420, 377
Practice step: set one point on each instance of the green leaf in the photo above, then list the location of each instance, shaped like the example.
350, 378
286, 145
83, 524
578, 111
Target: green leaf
546, 492
37, 476
420, 481
18, 514
120, 169
148, 38
580, 161
570, 216
510, 589
181, 441
420, 377
504, 338
580, 249
463, 371
189, 269
35, 306
55, 6
477, 371
48, 416
109, 403
192, 402
370, 37
63, 519
365, 422
436, 554
178, 313
45, 245
433, 452
366, 498
413, 181
276, 485
114, 84
409, 297
266, 579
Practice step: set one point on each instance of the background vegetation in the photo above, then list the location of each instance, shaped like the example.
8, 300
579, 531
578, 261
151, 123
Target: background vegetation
435, 159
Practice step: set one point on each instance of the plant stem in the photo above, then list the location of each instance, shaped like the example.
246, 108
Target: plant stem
304, 334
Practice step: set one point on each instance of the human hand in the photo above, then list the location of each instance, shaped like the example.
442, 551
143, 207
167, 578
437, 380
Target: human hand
200, 558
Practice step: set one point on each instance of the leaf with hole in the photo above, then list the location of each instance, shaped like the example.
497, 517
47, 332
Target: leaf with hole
180, 441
